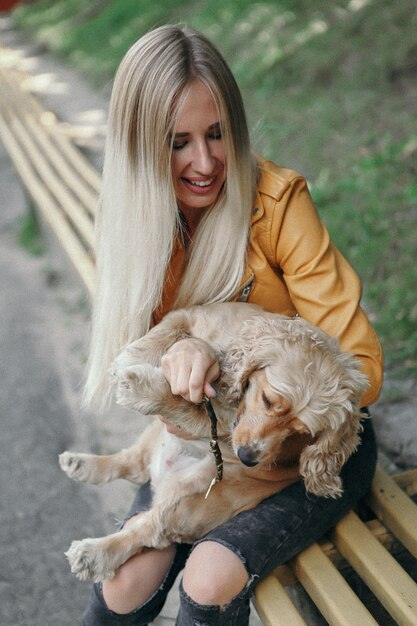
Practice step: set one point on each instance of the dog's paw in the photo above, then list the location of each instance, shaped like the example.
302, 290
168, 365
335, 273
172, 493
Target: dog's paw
142, 388
127, 387
81, 467
89, 560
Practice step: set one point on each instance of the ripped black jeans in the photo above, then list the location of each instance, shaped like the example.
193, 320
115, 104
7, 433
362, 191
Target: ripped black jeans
264, 537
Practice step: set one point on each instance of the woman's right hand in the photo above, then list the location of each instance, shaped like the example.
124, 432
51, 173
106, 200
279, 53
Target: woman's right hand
175, 430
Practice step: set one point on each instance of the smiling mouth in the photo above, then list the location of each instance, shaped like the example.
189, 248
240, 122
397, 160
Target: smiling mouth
200, 183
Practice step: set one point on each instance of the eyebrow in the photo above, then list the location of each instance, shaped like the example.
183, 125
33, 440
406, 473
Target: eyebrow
216, 126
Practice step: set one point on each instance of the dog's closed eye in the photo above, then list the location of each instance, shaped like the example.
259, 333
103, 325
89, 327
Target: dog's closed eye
245, 385
266, 401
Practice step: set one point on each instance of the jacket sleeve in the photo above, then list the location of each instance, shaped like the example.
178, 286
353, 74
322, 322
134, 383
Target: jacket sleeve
322, 285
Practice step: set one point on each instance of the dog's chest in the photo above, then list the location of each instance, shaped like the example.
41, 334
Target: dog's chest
174, 456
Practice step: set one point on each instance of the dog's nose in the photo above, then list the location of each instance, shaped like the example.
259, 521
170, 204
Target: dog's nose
248, 456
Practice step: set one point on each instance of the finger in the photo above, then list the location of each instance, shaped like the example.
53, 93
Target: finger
209, 391
181, 382
176, 373
174, 430
166, 367
213, 374
196, 382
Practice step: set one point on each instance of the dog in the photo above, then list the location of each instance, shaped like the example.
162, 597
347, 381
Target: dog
282, 379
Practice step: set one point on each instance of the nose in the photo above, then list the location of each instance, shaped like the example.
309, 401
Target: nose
248, 456
202, 158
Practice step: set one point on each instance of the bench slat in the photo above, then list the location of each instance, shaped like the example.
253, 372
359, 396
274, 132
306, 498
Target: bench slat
73, 181
274, 605
78, 160
395, 509
407, 481
70, 151
88, 179
77, 254
329, 590
396, 591
43, 168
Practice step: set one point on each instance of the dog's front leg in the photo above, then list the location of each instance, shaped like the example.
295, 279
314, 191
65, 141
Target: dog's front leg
151, 347
145, 389
131, 463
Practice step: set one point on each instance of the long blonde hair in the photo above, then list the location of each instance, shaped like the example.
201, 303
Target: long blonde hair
138, 220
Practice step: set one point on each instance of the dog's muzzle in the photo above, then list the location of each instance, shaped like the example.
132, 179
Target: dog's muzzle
248, 455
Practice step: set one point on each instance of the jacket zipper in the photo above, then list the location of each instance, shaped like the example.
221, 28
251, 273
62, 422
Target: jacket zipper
242, 294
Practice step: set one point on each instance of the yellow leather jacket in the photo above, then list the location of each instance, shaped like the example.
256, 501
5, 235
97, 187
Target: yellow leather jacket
294, 269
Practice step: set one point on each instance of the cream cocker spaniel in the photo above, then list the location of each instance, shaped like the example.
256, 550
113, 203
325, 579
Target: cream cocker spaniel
281, 378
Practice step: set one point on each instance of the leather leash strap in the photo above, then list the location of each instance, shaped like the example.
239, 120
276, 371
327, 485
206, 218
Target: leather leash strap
214, 444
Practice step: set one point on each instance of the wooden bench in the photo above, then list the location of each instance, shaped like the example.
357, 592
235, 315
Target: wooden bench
64, 187
365, 547
58, 177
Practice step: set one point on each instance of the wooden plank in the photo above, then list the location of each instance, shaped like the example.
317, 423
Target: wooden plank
407, 481
285, 575
329, 590
73, 180
396, 510
70, 242
84, 167
72, 208
381, 572
274, 605
21, 97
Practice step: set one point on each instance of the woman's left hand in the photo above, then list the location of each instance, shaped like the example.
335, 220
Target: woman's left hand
190, 366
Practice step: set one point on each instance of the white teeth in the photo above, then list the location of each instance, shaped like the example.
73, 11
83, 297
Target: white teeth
201, 183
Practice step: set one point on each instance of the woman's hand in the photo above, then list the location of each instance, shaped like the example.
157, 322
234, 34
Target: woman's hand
175, 430
189, 366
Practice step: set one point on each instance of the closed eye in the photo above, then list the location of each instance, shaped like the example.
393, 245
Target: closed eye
215, 131
266, 401
177, 145
245, 385
180, 140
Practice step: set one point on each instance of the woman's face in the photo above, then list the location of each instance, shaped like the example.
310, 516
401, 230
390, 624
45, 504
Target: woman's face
198, 156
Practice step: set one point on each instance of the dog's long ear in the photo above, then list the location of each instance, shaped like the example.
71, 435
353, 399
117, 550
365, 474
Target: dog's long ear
321, 462
236, 367
250, 350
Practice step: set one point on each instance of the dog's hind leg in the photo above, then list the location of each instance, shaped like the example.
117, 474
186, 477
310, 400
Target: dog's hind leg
130, 463
176, 515
98, 558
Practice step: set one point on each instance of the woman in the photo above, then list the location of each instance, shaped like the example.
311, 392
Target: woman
189, 216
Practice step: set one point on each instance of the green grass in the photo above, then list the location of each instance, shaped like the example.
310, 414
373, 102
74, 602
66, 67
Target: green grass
29, 235
330, 89
377, 231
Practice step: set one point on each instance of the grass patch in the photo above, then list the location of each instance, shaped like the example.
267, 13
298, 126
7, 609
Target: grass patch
30, 236
372, 215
